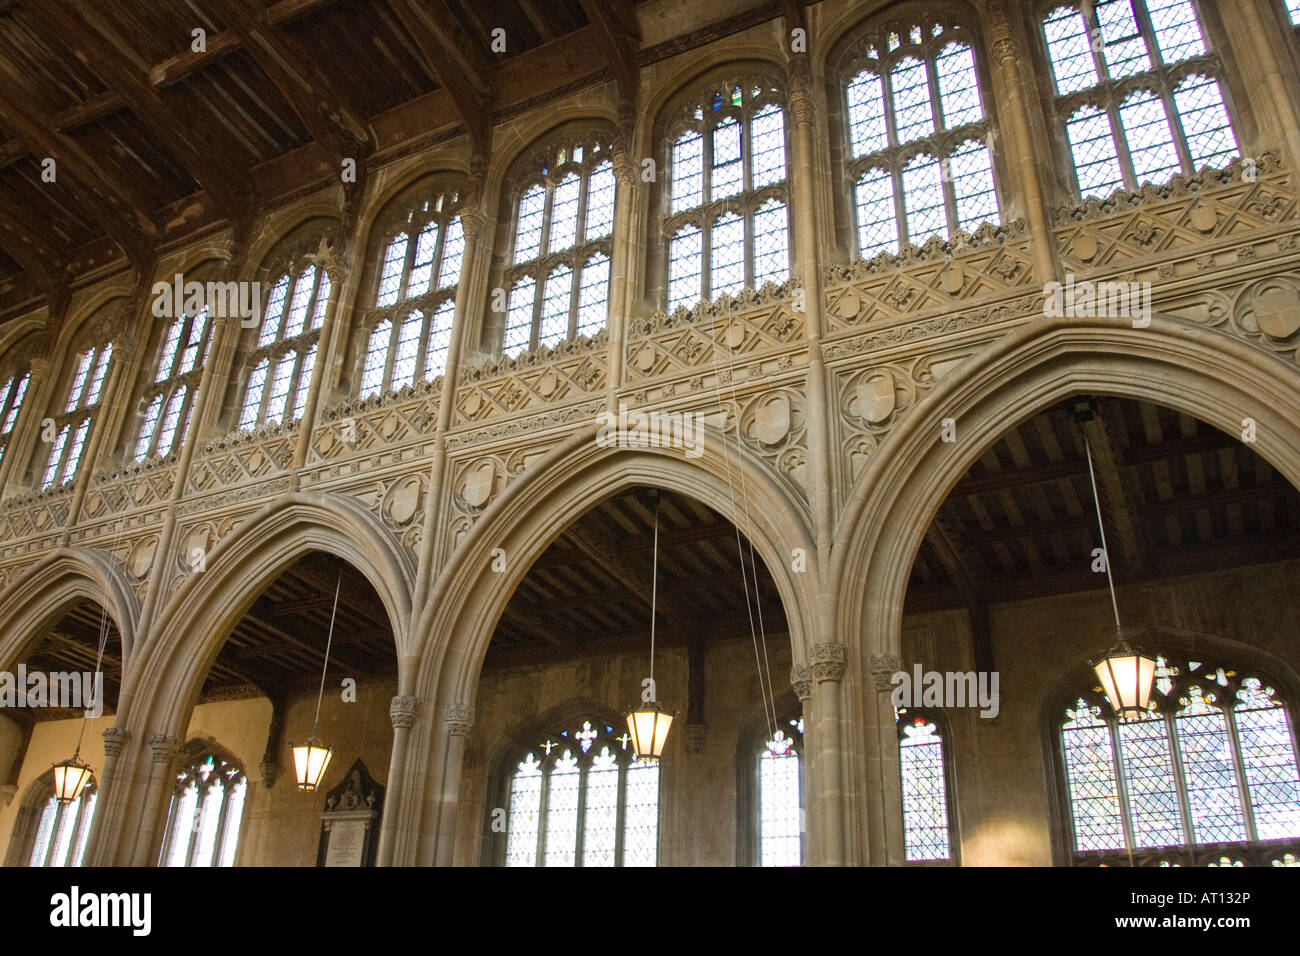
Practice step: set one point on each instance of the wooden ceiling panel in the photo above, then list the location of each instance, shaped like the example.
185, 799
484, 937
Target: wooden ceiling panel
124, 140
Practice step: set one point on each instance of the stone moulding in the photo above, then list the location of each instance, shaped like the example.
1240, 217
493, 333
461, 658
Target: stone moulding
533, 380
241, 457
364, 426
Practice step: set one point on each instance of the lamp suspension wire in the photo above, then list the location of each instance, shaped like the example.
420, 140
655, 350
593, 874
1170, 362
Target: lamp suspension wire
654, 598
757, 633
328, 641
1101, 527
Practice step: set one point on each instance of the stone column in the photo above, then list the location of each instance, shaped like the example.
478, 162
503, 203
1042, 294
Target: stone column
1270, 81
829, 662
458, 721
101, 841
885, 811
402, 712
150, 818
801, 683
333, 262
1011, 78
620, 297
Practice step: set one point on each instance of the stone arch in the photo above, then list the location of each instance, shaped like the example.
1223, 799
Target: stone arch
43, 594
237, 569
529, 515
1175, 363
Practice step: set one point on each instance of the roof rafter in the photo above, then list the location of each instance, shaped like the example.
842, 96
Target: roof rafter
620, 37
85, 35
451, 56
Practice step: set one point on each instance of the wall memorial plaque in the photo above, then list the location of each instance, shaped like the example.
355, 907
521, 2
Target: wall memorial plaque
350, 824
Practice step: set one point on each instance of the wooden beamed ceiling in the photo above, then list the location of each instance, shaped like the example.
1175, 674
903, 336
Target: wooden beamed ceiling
168, 119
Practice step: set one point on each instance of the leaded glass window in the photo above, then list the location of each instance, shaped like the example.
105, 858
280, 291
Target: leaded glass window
207, 806
12, 391
1293, 11
1209, 770
283, 356
780, 797
72, 424
923, 769
62, 830
169, 399
581, 798
917, 130
727, 218
1138, 92
415, 294
557, 275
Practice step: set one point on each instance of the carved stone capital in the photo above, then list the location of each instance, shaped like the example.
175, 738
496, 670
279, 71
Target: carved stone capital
40, 368
800, 96
270, 770
883, 667
402, 711
458, 719
115, 739
165, 747
474, 223
7, 793
1002, 36
694, 736
829, 661
801, 681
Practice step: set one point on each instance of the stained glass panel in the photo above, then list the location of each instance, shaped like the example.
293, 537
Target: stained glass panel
435, 356
1149, 775
728, 255
1096, 158
600, 202
641, 820
771, 244
528, 228
875, 204
1205, 121
767, 133
959, 89
372, 378
867, 132
302, 290
1178, 34
1069, 49
304, 383
408, 349
274, 309
600, 809
925, 793
1123, 47
686, 262
728, 175
923, 198
688, 171
253, 395
525, 814
1090, 778
910, 85
593, 295
453, 255
564, 213
555, 307
1212, 792
971, 169
519, 317
562, 811
390, 277
780, 838
1269, 760
426, 246
44, 832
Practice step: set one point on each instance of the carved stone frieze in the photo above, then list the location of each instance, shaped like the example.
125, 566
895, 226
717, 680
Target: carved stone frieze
934, 277
140, 485
533, 380
1264, 312
242, 457
772, 426
358, 427
713, 333
1247, 197
40, 513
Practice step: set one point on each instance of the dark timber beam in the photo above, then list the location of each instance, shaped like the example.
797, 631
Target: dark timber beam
327, 110
1119, 500
452, 57
620, 37
82, 31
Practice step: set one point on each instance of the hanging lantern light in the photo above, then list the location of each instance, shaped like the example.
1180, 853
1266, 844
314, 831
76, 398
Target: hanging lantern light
70, 778
309, 761
648, 727
1126, 676
648, 724
311, 758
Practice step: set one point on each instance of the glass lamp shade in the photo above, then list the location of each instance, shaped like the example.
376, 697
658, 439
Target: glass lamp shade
70, 778
309, 761
1126, 677
648, 727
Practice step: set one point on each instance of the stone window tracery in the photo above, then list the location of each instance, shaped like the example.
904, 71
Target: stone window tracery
581, 798
917, 133
283, 356
168, 401
12, 391
72, 423
415, 292
206, 808
556, 276
1138, 92
1209, 770
727, 221
61, 830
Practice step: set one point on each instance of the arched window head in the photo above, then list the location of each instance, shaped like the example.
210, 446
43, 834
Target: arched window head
927, 798
50, 833
581, 798
283, 355
1209, 771
780, 796
207, 805
85, 389
13, 389
557, 271
421, 253
917, 128
1138, 92
168, 398
726, 215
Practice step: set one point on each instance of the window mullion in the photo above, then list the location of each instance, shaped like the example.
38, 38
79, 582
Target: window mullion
706, 259
1239, 768
1121, 787
620, 814
1184, 150
54, 832
543, 814
194, 825
408, 263
575, 295
1120, 137
390, 355
1180, 781
581, 825
221, 824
